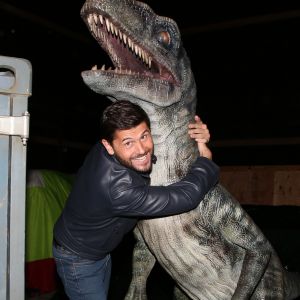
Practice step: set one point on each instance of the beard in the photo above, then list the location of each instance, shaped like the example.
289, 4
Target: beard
129, 164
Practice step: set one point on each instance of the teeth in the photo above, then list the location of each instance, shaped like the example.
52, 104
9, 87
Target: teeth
107, 25
101, 19
95, 18
90, 21
99, 33
113, 29
94, 21
141, 158
94, 68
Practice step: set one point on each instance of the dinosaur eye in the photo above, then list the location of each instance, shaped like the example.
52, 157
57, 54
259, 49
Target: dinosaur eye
164, 38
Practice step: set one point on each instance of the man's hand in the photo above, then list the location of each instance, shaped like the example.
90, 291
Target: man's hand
200, 133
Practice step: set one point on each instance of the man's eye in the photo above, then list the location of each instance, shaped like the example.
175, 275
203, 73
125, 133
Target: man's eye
128, 144
145, 136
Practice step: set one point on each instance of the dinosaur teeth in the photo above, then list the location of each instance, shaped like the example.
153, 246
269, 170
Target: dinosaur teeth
113, 29
94, 21
101, 19
107, 25
94, 68
124, 39
90, 21
95, 18
129, 42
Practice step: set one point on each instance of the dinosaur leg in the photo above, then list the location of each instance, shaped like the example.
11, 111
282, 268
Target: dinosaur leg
260, 265
143, 263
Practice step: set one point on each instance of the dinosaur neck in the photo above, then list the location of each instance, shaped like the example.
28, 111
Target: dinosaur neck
173, 147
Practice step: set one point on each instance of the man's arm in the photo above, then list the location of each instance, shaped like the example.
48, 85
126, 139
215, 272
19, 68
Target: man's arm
140, 200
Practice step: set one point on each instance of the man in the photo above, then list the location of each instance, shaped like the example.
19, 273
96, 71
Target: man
112, 192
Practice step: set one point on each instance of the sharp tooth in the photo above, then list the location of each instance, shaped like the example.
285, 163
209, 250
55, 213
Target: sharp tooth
95, 18
107, 25
101, 19
143, 55
90, 20
103, 68
129, 42
150, 59
112, 28
140, 52
94, 68
125, 39
109, 69
136, 49
120, 35
116, 32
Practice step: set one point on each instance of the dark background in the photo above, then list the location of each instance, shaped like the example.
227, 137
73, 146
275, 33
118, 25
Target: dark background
245, 59
246, 63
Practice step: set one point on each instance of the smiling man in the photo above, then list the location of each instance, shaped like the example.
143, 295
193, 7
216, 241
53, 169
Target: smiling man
112, 192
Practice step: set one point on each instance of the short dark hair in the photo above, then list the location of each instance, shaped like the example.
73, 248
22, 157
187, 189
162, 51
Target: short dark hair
121, 115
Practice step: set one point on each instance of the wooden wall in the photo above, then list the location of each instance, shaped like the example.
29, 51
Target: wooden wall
263, 185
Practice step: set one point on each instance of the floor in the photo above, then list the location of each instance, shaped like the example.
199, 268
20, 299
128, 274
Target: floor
280, 224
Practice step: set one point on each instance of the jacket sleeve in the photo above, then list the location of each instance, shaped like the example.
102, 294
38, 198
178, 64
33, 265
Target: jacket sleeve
134, 199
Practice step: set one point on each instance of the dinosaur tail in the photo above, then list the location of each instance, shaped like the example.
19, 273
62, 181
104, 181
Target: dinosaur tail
292, 285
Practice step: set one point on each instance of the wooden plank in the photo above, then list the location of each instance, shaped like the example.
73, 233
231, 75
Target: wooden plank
263, 185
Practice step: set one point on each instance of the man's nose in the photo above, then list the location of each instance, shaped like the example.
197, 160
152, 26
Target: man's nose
140, 147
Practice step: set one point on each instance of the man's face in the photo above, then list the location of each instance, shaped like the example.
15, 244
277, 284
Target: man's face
133, 147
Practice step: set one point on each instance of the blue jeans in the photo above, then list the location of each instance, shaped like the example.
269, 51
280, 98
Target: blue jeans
83, 279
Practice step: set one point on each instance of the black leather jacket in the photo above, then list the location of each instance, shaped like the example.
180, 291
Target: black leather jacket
107, 200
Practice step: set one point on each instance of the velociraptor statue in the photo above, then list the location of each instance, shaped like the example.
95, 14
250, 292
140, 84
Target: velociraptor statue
214, 251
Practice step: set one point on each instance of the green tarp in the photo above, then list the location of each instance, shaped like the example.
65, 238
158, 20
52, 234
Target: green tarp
46, 194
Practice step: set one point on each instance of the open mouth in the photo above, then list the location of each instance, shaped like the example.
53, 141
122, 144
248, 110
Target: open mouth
141, 158
126, 53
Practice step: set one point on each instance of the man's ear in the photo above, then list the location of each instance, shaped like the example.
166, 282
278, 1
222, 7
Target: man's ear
108, 147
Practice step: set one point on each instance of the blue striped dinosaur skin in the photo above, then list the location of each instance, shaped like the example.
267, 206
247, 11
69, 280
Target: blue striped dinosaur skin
215, 251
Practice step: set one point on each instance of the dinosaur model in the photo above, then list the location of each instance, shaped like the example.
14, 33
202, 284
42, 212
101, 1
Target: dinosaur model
214, 251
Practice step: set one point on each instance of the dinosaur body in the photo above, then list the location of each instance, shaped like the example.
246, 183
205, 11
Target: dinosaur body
214, 251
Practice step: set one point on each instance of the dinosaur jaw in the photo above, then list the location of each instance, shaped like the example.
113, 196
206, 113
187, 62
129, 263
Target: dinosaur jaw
128, 57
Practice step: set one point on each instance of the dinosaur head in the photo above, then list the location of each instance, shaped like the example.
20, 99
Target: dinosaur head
149, 62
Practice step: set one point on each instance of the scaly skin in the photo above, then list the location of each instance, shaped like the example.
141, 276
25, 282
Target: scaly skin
214, 251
